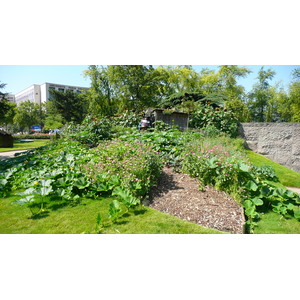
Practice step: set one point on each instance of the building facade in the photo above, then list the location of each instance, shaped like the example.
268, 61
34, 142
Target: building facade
8, 97
39, 94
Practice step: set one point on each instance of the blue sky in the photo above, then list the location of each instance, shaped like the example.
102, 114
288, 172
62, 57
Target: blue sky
19, 77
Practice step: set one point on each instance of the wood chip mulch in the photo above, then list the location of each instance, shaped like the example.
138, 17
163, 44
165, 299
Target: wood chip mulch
178, 194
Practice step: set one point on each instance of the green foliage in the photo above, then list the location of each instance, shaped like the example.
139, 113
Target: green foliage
177, 99
261, 96
39, 136
135, 164
286, 176
71, 106
167, 142
90, 132
100, 96
220, 118
219, 166
64, 172
28, 114
126, 119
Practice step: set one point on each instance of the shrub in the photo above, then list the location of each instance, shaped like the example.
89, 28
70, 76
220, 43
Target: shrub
127, 119
90, 132
32, 136
220, 118
135, 164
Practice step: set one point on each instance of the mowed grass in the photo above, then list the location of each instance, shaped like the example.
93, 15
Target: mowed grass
23, 146
273, 223
286, 176
16, 219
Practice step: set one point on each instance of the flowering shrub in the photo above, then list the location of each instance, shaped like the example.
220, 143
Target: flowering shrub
135, 164
220, 118
215, 165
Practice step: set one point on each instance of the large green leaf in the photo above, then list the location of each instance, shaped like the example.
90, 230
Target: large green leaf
114, 209
251, 185
297, 214
46, 183
81, 183
243, 167
125, 196
45, 190
25, 200
257, 201
250, 212
3, 182
248, 204
29, 191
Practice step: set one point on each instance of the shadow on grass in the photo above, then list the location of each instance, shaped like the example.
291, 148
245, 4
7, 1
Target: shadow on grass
140, 211
40, 215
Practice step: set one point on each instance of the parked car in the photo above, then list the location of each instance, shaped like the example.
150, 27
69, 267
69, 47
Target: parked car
54, 131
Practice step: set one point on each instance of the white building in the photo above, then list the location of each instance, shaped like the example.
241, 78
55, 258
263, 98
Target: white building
32, 94
8, 97
40, 93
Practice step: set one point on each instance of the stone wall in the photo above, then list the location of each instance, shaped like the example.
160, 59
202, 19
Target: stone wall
279, 142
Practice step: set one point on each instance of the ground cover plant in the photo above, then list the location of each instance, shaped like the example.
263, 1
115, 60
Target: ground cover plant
63, 173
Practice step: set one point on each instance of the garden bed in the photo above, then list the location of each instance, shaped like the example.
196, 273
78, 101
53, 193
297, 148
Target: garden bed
178, 194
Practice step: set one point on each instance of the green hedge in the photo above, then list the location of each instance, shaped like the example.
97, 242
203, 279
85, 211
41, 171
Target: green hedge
32, 136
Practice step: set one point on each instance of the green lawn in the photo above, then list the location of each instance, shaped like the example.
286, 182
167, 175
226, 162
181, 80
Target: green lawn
82, 219
286, 176
273, 223
23, 146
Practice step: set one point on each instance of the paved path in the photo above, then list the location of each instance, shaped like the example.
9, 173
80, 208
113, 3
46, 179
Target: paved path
9, 154
294, 189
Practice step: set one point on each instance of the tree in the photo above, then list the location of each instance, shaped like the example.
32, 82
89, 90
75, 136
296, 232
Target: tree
100, 97
224, 83
229, 74
178, 79
28, 114
53, 118
261, 95
294, 95
135, 86
70, 105
4, 104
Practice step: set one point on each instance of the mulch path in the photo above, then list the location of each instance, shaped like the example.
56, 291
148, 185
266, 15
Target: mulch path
178, 194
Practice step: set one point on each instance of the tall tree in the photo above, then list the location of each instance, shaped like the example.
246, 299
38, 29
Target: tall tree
28, 114
70, 105
294, 95
135, 86
4, 104
100, 97
261, 95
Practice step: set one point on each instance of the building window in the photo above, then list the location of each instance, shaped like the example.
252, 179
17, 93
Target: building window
61, 89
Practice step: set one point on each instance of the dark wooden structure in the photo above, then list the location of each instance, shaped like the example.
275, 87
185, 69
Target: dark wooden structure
6, 140
171, 118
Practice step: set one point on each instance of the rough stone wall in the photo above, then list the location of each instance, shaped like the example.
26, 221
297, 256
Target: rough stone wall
279, 142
